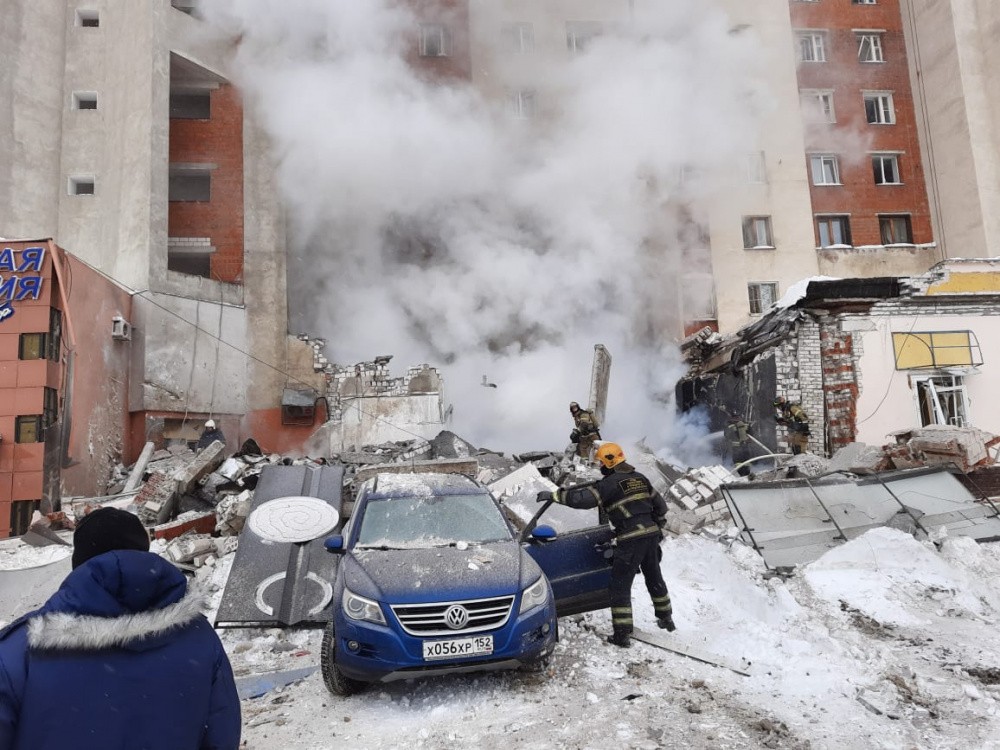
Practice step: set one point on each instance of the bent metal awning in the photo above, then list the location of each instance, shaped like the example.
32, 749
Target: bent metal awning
796, 521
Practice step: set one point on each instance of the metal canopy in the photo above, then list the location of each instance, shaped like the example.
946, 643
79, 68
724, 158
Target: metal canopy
796, 521
276, 583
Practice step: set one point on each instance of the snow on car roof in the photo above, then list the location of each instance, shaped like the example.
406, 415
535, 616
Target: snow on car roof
425, 485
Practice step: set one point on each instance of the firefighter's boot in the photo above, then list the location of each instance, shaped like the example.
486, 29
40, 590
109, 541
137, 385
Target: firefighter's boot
620, 638
667, 623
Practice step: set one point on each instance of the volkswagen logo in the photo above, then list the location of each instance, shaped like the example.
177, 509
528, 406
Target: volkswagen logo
456, 617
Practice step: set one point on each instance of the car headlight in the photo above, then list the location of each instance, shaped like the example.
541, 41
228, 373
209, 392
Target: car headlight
535, 595
358, 608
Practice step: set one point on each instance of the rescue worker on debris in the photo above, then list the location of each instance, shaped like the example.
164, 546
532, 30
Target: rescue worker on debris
738, 439
796, 420
210, 435
637, 512
586, 429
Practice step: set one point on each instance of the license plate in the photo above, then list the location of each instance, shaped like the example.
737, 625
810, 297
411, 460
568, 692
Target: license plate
457, 648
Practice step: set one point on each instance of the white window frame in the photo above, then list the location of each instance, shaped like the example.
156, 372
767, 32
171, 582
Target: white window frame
885, 107
579, 34
828, 167
818, 105
942, 387
829, 218
757, 228
870, 49
519, 37
430, 30
756, 300
757, 168
816, 40
523, 103
879, 161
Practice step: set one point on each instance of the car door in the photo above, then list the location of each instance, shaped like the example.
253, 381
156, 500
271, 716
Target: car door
574, 561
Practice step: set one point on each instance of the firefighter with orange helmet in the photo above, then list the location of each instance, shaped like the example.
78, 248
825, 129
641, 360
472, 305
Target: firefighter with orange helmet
638, 514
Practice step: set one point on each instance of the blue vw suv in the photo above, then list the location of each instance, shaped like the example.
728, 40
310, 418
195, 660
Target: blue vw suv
436, 577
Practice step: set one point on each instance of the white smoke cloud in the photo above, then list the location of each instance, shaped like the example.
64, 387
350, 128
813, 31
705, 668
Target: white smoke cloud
430, 224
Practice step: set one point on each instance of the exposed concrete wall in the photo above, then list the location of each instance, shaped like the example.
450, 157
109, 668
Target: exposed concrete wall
864, 262
100, 383
956, 77
191, 356
32, 40
380, 419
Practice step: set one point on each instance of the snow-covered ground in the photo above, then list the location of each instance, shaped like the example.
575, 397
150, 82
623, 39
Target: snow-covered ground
882, 643
885, 642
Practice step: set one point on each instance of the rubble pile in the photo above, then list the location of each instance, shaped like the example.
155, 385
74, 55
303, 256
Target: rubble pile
965, 447
694, 499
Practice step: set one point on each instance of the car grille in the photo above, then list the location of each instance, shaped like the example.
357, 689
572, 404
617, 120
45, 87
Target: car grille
433, 619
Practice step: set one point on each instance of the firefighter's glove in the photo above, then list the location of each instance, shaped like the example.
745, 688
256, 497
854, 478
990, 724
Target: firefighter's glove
574, 436
544, 496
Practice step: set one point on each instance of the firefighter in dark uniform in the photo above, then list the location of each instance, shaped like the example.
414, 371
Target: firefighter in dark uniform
585, 430
738, 437
796, 420
637, 513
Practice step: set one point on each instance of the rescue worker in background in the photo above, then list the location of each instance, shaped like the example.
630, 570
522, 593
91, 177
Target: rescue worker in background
738, 439
586, 430
638, 513
796, 420
210, 435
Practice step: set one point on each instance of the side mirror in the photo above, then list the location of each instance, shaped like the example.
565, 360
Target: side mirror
335, 544
543, 533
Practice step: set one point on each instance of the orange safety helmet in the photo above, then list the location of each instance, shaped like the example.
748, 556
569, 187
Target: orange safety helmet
610, 455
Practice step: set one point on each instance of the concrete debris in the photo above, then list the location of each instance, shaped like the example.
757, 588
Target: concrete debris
42, 531
694, 499
857, 456
965, 447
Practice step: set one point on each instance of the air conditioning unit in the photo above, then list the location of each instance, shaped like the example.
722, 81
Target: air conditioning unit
121, 329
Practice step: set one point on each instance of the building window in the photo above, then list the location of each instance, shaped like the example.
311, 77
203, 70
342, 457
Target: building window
834, 230
31, 346
895, 230
190, 105
757, 232
82, 185
89, 19
579, 34
879, 109
817, 106
756, 168
522, 104
433, 40
519, 38
84, 100
190, 185
941, 400
50, 407
21, 512
812, 46
825, 169
28, 429
886, 169
762, 296
870, 47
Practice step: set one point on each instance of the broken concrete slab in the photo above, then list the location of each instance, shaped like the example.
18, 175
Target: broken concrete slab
135, 477
207, 460
856, 456
468, 466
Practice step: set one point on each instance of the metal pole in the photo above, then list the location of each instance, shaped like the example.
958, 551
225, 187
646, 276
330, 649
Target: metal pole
901, 504
819, 500
732, 504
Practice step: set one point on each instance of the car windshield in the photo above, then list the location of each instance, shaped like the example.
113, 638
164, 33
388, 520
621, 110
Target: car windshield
431, 521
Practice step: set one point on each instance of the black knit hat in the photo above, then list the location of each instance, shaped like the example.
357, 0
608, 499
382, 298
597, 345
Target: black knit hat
106, 530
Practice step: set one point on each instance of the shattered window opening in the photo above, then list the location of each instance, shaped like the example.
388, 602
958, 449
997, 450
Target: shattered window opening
762, 296
941, 400
879, 109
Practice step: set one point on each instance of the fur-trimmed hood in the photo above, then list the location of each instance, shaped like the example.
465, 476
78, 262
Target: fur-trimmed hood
70, 631
121, 599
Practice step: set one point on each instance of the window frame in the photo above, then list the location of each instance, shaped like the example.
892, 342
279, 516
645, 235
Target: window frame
830, 219
523, 103
879, 161
516, 40
23, 421
818, 43
443, 40
826, 107
907, 224
824, 161
756, 163
941, 386
753, 286
879, 98
876, 48
580, 33
750, 225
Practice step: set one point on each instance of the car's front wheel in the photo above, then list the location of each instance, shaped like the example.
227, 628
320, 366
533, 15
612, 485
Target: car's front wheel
336, 682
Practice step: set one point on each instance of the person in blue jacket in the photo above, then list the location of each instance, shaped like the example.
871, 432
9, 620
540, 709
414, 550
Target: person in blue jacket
120, 656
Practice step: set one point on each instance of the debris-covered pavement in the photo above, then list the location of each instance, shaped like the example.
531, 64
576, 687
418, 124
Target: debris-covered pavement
885, 641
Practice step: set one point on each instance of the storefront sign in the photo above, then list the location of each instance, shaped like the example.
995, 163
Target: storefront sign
20, 278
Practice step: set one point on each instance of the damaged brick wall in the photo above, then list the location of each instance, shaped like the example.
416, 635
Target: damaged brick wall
800, 380
840, 383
